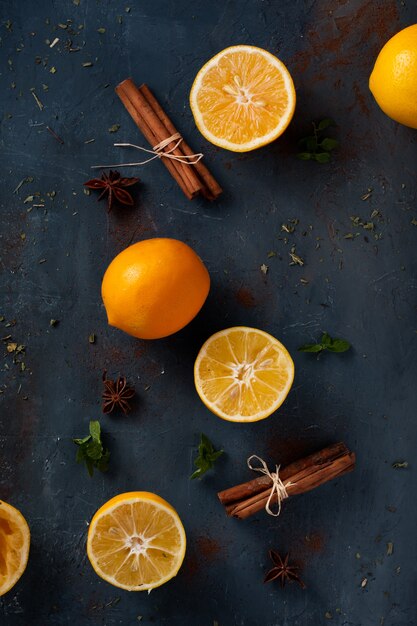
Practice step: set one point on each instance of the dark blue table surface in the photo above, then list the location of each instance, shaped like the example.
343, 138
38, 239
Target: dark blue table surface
52, 259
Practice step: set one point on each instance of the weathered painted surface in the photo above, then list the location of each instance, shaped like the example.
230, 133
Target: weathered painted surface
52, 259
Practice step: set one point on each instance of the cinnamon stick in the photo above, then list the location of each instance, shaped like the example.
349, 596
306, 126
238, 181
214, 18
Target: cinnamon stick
156, 127
299, 477
212, 188
150, 136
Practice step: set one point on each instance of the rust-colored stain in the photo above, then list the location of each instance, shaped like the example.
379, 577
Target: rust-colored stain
315, 542
127, 225
246, 298
208, 547
339, 34
284, 451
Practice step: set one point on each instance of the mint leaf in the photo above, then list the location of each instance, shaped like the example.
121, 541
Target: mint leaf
95, 430
325, 123
311, 347
339, 345
305, 156
329, 144
90, 450
326, 339
327, 343
322, 157
207, 455
315, 147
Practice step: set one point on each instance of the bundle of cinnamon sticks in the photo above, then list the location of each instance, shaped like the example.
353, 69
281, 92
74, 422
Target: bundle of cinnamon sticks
193, 177
316, 469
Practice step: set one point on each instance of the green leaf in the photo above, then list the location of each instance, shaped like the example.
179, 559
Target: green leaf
309, 144
95, 430
205, 444
338, 345
207, 455
103, 463
80, 442
311, 347
94, 450
81, 455
329, 144
305, 156
90, 450
322, 157
327, 343
90, 466
325, 123
326, 340
215, 455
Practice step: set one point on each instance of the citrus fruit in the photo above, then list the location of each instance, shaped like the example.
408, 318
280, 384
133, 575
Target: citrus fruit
136, 541
14, 546
393, 81
243, 374
243, 98
154, 288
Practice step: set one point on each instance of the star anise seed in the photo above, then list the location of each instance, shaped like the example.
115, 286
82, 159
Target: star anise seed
114, 186
116, 394
283, 571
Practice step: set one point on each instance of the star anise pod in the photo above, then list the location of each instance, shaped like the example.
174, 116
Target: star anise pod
116, 394
283, 571
113, 185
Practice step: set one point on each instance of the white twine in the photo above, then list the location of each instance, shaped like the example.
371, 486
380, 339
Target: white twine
158, 153
278, 486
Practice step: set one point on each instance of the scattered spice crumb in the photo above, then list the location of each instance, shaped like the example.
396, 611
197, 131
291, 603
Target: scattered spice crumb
92, 338
400, 465
328, 615
53, 70
101, 30
114, 128
368, 194
53, 322
264, 269
38, 102
295, 259
87, 64
390, 548
55, 41
364, 582
398, 569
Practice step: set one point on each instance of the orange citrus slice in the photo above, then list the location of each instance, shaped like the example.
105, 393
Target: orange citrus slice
243, 374
243, 98
14, 546
136, 541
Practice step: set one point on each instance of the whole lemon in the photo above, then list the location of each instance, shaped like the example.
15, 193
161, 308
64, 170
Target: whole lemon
154, 288
393, 81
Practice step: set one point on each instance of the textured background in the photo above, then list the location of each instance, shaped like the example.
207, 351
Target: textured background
52, 259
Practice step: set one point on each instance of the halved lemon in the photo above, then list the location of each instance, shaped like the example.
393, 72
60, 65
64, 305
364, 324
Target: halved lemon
14, 546
243, 374
136, 541
243, 98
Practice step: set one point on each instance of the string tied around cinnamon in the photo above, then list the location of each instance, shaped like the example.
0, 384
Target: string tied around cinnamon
158, 152
278, 489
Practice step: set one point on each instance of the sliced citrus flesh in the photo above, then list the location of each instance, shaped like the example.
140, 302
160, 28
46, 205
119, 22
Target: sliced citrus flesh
243, 374
136, 541
243, 98
14, 546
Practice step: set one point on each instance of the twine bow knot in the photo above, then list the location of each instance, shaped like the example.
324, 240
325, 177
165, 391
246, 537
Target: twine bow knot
158, 151
278, 487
